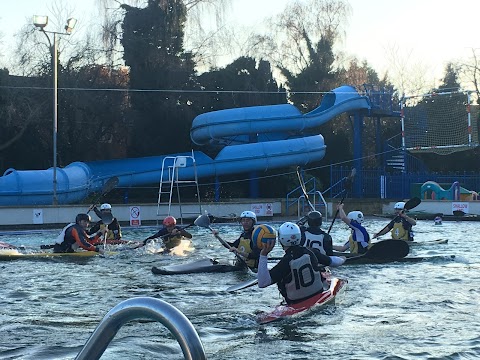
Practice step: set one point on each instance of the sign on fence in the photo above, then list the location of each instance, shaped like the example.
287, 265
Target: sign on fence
263, 209
135, 218
38, 216
460, 206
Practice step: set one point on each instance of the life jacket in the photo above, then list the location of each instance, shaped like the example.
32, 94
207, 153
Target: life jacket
171, 242
245, 245
314, 241
305, 280
113, 229
359, 239
61, 237
402, 230
68, 244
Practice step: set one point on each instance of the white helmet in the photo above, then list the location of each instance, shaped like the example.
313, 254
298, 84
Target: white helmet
289, 234
106, 207
249, 215
399, 205
356, 216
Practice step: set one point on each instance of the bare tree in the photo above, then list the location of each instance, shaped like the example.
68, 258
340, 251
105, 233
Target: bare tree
286, 43
469, 70
408, 75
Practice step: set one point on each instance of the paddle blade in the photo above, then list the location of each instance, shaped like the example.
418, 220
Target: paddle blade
202, 221
243, 285
349, 181
110, 185
388, 249
412, 203
107, 218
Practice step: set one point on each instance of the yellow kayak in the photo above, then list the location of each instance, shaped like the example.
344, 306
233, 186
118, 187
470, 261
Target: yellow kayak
11, 254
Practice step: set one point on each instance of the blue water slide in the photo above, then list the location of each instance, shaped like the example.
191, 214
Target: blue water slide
256, 138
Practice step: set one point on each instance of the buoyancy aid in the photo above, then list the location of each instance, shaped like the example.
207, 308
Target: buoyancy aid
359, 239
245, 246
314, 241
69, 243
61, 237
399, 232
305, 280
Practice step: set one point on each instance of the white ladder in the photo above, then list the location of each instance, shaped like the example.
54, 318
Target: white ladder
168, 184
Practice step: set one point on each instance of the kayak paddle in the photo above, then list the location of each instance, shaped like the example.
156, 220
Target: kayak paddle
204, 221
107, 187
243, 285
164, 237
304, 189
347, 187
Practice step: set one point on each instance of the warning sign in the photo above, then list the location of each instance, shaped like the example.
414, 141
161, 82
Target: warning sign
135, 219
263, 209
38, 216
460, 206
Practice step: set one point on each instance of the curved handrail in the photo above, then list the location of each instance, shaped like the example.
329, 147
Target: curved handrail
143, 308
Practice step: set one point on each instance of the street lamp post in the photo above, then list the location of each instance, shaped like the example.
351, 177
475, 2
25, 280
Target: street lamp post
40, 22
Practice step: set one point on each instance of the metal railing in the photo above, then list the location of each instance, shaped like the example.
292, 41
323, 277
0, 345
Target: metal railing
144, 308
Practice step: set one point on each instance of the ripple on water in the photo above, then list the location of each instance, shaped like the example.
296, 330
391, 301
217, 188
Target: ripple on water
425, 310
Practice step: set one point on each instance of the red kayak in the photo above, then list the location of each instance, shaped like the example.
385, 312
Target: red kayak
321, 299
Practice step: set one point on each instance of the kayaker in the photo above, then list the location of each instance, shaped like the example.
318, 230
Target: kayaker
114, 232
314, 237
170, 233
359, 240
75, 236
244, 245
438, 220
401, 226
298, 274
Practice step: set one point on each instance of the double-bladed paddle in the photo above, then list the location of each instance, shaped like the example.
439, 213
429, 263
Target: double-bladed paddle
204, 221
385, 249
304, 189
243, 285
164, 237
107, 187
107, 219
347, 187
410, 204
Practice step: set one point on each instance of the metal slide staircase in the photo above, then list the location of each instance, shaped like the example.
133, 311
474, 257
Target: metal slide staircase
172, 183
399, 159
302, 205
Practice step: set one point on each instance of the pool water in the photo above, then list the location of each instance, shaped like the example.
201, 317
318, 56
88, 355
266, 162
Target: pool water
425, 310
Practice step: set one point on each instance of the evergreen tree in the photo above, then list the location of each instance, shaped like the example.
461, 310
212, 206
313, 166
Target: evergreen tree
159, 67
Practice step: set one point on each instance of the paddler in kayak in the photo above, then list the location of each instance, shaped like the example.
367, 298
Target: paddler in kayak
244, 246
74, 236
314, 237
114, 232
298, 274
401, 226
170, 233
359, 240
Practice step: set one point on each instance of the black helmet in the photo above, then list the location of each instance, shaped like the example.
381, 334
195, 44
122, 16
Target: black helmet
314, 218
81, 217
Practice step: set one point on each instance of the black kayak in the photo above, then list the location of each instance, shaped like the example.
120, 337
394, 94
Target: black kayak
200, 266
416, 259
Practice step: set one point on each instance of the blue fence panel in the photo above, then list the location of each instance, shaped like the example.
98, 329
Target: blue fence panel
397, 185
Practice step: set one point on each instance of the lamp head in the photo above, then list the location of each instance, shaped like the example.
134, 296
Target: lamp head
40, 21
70, 25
